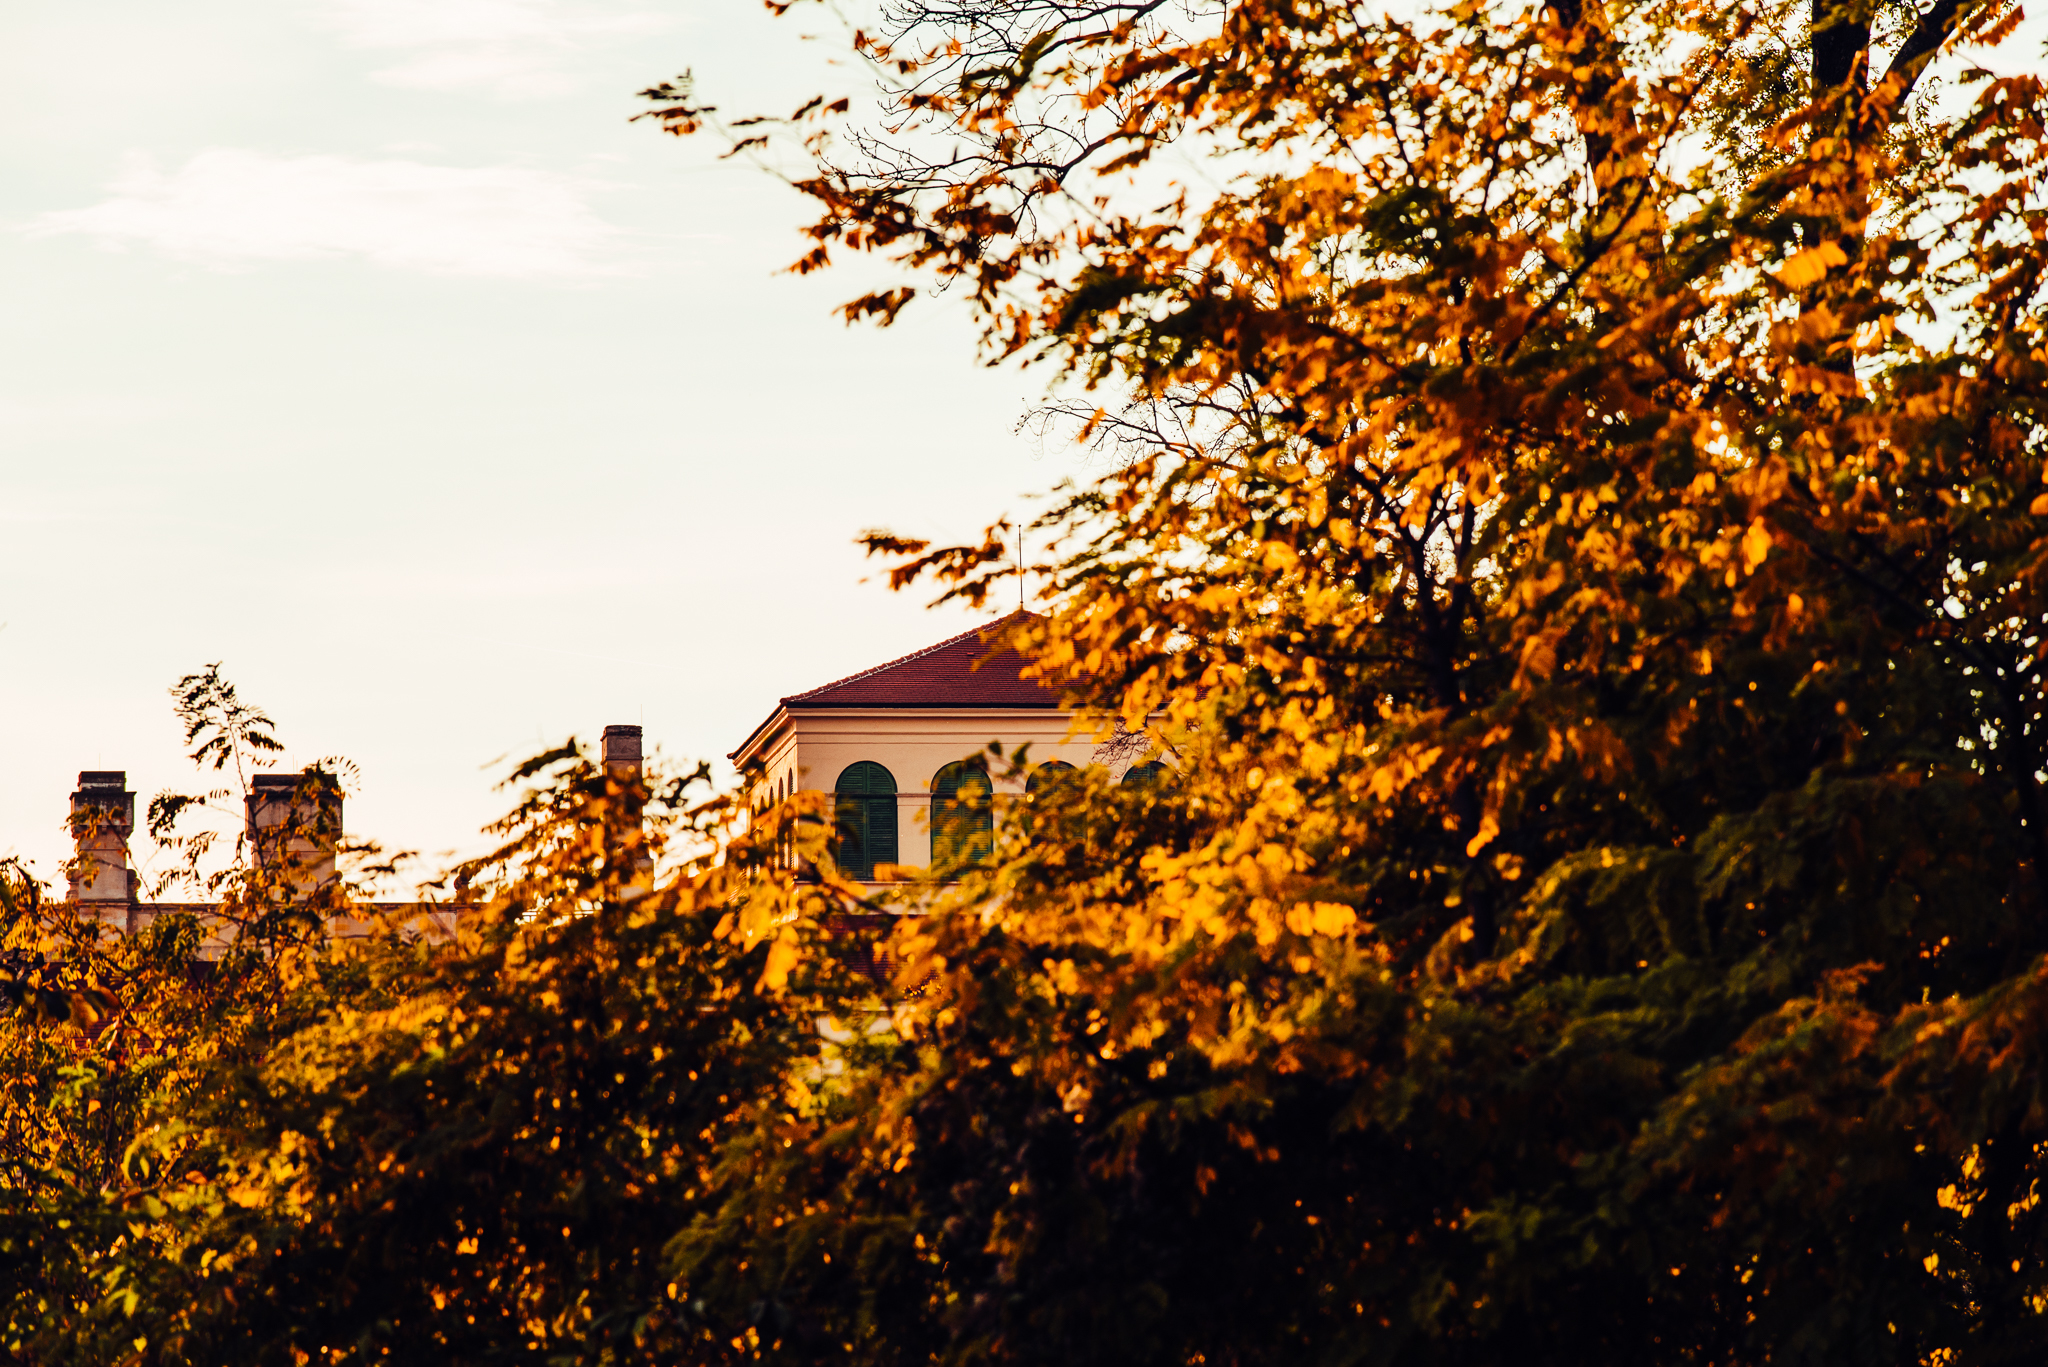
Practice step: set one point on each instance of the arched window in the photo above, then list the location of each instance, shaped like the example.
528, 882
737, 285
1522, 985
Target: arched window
963, 816
1150, 774
864, 819
1048, 776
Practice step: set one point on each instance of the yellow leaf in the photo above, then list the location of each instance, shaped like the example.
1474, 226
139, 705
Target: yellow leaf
782, 957
1488, 829
1811, 265
1756, 544
1334, 918
2039, 507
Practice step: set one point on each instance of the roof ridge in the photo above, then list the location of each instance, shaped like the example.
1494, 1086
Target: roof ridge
982, 630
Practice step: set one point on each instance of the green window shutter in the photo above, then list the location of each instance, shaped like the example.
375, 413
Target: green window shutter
881, 831
1150, 774
1047, 776
864, 819
963, 816
866, 779
849, 837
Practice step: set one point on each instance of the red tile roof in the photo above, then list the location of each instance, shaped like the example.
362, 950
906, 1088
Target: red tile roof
968, 670
961, 671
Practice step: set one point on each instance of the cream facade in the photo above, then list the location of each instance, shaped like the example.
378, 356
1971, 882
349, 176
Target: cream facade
807, 751
919, 744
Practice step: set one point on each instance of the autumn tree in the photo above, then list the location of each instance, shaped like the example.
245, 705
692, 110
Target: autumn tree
111, 1039
1568, 526
482, 1149
1572, 523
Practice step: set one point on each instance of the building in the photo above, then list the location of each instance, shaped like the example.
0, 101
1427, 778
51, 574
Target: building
293, 829
904, 748
907, 749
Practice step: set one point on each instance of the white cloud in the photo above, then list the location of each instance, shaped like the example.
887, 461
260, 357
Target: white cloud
229, 207
518, 48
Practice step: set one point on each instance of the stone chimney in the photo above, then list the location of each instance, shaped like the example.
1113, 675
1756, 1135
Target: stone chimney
295, 827
102, 819
620, 752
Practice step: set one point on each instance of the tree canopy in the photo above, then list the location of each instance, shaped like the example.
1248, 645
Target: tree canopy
1569, 521
1573, 522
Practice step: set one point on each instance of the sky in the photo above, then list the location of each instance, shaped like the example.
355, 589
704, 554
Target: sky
366, 347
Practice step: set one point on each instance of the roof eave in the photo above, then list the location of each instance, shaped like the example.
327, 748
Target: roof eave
826, 705
765, 729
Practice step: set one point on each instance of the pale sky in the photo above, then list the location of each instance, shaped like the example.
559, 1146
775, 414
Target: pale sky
365, 346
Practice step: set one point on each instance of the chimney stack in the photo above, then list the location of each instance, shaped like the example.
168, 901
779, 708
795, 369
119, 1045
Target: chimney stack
620, 752
295, 827
102, 819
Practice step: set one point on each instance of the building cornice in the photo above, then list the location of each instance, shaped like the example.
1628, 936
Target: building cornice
786, 714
